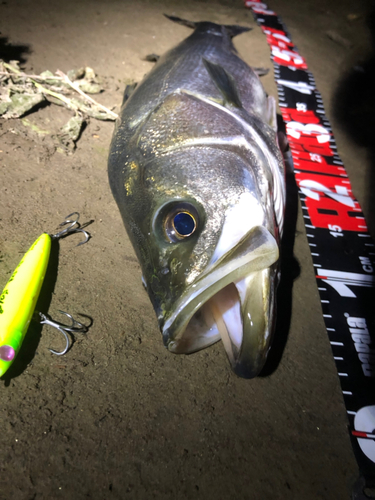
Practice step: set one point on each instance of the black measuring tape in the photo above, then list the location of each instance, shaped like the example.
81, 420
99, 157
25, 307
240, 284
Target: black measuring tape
342, 249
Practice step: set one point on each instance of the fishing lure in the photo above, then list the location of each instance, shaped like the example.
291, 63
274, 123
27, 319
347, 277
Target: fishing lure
19, 297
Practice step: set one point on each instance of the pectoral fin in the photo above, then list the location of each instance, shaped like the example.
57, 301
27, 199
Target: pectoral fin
224, 82
152, 58
261, 71
271, 113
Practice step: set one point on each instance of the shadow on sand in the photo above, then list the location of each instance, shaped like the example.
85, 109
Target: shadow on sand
12, 52
354, 108
289, 270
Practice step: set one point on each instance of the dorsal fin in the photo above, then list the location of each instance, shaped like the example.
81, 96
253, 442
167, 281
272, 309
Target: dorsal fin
231, 29
224, 82
129, 89
184, 22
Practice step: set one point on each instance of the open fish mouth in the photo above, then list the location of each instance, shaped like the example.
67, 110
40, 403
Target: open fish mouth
232, 301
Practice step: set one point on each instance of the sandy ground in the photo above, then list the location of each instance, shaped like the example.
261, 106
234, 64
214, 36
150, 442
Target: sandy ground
118, 416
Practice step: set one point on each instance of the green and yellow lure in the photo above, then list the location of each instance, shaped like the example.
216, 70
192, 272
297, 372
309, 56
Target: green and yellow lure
20, 295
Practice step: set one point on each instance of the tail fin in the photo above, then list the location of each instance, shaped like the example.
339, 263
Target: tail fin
232, 29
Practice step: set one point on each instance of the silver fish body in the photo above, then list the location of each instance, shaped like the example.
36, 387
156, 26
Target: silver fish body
198, 177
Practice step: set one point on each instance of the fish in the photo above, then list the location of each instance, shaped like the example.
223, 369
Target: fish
198, 176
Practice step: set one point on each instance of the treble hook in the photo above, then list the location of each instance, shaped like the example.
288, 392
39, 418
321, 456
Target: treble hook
76, 327
74, 227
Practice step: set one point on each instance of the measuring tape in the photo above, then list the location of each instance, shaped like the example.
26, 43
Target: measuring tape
342, 249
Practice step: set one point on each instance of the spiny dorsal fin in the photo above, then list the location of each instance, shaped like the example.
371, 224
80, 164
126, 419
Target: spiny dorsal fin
224, 82
178, 20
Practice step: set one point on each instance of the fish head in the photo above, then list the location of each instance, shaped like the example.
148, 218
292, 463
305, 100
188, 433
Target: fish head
202, 224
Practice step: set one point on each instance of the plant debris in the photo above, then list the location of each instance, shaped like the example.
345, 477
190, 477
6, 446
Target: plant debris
21, 93
71, 131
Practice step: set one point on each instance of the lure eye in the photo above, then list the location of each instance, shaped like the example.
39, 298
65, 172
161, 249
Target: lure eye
181, 222
7, 353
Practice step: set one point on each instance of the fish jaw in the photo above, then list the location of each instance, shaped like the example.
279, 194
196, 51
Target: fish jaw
232, 301
257, 304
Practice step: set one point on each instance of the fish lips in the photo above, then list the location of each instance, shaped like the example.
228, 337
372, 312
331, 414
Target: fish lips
233, 300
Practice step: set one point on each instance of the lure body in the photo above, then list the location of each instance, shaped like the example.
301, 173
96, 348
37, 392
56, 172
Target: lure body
19, 297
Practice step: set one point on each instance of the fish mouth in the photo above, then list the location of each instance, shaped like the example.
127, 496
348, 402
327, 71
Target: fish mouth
232, 301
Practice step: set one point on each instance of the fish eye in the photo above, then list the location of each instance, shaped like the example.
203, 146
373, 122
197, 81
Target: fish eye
181, 222
184, 224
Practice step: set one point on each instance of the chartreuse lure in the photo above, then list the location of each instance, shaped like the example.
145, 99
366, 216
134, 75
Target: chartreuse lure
19, 297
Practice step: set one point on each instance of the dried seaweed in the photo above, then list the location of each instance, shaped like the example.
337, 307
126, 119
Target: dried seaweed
22, 93
71, 131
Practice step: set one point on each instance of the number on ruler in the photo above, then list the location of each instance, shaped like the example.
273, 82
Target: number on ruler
335, 230
312, 188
